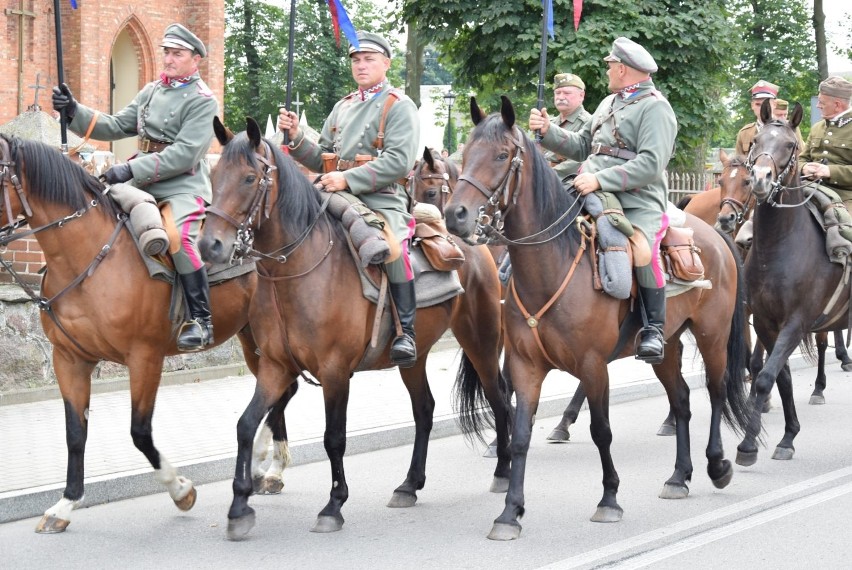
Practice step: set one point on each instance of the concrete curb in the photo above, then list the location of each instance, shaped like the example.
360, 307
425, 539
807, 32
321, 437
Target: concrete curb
16, 505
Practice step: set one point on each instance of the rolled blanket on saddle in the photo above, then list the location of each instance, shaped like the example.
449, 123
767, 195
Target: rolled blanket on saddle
828, 209
614, 264
364, 227
144, 217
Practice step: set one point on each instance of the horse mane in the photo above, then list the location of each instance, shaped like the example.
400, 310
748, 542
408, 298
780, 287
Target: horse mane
550, 200
53, 177
298, 200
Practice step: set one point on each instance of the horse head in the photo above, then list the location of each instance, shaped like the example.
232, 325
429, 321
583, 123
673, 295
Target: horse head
433, 179
244, 189
772, 158
490, 179
737, 199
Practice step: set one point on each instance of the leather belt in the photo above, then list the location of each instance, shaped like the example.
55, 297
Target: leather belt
360, 159
148, 145
612, 151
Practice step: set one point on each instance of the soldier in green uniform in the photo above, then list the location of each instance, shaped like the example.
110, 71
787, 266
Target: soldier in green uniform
828, 154
569, 91
781, 107
351, 132
173, 118
628, 142
759, 92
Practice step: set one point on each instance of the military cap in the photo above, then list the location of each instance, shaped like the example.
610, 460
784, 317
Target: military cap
631, 54
836, 86
568, 80
368, 41
764, 90
176, 36
781, 104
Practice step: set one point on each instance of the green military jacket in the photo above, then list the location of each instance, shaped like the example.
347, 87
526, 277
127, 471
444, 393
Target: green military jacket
647, 125
182, 116
575, 121
832, 140
350, 129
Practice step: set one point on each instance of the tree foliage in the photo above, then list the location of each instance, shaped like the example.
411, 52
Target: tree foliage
256, 46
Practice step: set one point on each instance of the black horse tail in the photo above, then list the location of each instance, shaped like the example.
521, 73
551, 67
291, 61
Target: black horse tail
738, 408
475, 415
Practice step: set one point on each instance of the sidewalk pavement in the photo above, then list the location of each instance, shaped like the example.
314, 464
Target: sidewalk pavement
195, 427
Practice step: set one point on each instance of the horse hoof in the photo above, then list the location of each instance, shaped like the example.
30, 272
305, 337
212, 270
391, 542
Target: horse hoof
607, 514
268, 486
667, 430
559, 435
238, 529
746, 458
673, 491
767, 406
817, 400
723, 481
188, 501
491, 452
402, 500
328, 524
783, 453
503, 531
257, 485
50, 524
499, 485
846, 366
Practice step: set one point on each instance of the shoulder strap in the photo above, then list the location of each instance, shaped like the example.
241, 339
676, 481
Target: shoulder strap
379, 143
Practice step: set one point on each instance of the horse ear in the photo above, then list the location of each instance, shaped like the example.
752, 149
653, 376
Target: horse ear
723, 156
427, 157
223, 133
507, 111
765, 111
253, 131
476, 114
798, 113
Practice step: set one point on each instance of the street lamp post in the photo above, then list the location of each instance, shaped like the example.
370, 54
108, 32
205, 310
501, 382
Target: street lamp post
450, 98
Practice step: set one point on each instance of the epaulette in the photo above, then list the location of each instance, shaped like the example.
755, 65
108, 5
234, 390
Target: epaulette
203, 89
747, 126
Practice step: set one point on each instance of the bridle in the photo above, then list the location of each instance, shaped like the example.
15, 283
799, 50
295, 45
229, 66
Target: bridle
446, 188
490, 218
259, 211
741, 209
778, 187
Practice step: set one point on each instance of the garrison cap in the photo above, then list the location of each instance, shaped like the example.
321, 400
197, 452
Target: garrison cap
764, 90
836, 86
631, 54
176, 36
781, 105
368, 41
568, 80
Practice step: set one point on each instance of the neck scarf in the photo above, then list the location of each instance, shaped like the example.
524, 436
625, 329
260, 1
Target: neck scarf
371, 92
629, 91
177, 82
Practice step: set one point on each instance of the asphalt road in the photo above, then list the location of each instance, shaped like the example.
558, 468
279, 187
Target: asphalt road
775, 514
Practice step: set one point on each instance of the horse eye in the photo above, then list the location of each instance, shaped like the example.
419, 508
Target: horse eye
251, 178
503, 156
430, 194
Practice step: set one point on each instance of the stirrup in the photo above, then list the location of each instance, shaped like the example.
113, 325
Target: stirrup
194, 335
403, 352
650, 354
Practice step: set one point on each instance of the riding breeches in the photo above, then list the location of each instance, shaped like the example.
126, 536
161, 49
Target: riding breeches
189, 213
653, 228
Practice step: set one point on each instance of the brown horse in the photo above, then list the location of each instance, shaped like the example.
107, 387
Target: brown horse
99, 303
793, 287
309, 314
554, 319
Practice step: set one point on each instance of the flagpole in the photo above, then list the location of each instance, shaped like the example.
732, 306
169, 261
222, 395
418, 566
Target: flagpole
63, 118
542, 63
291, 42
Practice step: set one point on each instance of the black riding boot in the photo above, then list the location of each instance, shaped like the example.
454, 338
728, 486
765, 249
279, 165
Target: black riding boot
403, 351
197, 333
651, 340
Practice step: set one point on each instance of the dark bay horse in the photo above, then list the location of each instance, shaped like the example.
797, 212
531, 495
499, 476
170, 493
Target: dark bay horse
99, 303
309, 314
554, 319
793, 288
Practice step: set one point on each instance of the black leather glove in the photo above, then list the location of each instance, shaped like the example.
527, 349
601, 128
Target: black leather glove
118, 173
64, 99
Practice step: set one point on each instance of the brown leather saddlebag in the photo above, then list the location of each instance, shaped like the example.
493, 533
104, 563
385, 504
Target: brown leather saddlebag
681, 255
438, 245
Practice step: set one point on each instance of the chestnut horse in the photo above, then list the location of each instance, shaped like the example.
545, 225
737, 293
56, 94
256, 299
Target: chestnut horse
554, 319
99, 303
309, 314
793, 287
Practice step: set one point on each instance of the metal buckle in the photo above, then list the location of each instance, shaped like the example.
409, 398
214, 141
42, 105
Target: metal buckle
596, 148
144, 144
